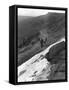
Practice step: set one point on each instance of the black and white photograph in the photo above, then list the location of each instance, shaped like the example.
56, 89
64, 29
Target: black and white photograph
41, 45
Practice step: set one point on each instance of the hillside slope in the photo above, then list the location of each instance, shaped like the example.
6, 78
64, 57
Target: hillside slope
52, 23
40, 67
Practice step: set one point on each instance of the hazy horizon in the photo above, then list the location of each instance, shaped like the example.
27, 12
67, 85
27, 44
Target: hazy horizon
35, 12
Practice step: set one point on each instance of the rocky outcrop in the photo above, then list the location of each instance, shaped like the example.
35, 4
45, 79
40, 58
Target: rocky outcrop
56, 53
56, 56
46, 65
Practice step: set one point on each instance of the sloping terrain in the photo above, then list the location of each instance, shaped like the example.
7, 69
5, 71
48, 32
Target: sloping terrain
39, 67
51, 23
31, 30
41, 47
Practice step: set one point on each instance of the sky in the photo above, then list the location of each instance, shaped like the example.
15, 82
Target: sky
35, 12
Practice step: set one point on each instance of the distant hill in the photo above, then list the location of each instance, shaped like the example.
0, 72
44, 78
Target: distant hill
22, 18
53, 23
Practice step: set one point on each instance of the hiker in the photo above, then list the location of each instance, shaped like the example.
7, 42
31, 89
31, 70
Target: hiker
43, 42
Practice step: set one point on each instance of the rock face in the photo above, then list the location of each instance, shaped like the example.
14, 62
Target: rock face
46, 65
56, 56
34, 71
56, 52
